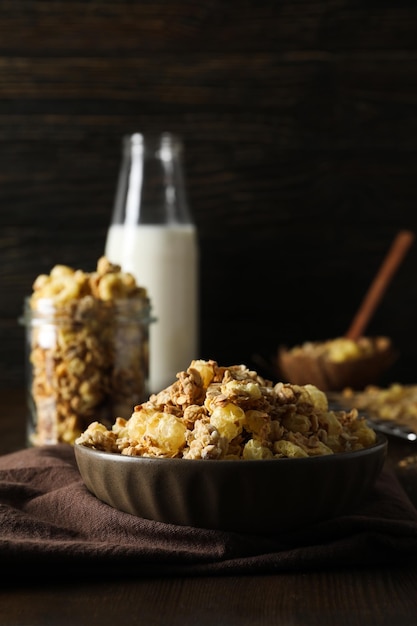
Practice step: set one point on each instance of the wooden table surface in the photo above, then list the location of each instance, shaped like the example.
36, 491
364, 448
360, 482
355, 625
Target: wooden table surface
365, 596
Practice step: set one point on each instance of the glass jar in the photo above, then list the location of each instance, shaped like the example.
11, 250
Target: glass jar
86, 361
153, 236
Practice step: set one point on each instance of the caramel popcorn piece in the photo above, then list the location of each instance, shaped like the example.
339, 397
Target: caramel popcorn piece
88, 335
231, 413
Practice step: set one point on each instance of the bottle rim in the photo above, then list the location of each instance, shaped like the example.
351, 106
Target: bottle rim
153, 142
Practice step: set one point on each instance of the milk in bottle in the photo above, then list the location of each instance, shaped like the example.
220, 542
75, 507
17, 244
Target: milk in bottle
152, 235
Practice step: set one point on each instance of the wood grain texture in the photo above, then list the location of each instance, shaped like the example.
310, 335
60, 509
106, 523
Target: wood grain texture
299, 125
368, 596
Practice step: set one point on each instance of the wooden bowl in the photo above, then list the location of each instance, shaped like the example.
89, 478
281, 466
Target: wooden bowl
337, 363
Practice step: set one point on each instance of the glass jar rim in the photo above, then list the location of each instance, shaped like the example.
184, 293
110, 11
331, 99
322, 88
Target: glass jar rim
137, 309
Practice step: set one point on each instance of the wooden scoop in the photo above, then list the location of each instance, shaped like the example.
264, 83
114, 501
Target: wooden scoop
395, 255
302, 367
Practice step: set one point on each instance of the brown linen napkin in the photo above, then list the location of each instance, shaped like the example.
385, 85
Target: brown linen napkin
49, 518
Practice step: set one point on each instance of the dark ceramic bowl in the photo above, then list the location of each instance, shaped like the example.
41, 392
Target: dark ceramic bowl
256, 496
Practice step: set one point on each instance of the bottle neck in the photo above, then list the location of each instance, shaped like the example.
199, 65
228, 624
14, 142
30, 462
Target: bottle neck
151, 187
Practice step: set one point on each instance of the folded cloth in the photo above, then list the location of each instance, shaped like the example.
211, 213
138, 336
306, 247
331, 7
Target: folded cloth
49, 518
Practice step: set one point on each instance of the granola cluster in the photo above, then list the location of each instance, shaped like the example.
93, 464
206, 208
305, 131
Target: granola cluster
342, 349
217, 412
395, 403
88, 349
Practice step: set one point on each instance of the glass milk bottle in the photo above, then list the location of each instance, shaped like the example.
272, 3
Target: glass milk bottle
152, 235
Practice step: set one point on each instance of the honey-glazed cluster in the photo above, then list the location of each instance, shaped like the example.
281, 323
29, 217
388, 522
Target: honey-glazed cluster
342, 349
218, 412
88, 349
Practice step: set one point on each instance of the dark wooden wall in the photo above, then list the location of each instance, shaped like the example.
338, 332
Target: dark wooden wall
299, 120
